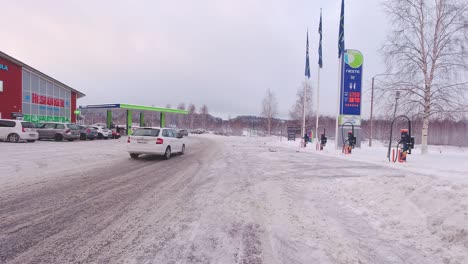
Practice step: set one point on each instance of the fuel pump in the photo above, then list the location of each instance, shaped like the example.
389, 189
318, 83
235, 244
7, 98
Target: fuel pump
350, 142
322, 141
405, 143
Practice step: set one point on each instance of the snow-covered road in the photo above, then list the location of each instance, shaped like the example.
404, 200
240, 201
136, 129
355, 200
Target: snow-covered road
228, 200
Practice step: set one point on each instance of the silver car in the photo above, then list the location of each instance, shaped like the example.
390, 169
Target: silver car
58, 131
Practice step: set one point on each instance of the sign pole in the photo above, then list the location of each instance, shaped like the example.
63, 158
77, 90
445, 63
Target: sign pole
76, 112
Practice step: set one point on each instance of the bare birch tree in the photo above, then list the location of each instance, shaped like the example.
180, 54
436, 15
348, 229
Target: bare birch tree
204, 115
427, 49
191, 115
297, 109
169, 117
269, 108
181, 118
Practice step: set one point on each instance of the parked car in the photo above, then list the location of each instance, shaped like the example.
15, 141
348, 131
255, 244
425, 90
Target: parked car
87, 133
103, 133
16, 130
103, 125
183, 132
58, 131
155, 140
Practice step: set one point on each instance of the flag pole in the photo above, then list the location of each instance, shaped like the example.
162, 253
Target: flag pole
341, 51
304, 97
304, 112
338, 102
320, 62
318, 106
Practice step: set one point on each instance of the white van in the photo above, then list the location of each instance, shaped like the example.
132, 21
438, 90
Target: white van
16, 130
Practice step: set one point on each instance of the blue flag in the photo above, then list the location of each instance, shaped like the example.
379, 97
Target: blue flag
341, 37
320, 62
307, 66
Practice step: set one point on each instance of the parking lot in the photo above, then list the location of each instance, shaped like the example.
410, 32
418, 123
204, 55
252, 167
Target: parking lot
22, 162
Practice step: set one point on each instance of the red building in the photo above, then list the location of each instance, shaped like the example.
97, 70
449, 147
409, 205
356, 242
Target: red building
28, 93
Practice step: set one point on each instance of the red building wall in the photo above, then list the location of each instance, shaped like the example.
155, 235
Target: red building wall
10, 98
73, 107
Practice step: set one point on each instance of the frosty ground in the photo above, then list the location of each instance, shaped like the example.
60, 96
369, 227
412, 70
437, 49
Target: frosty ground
230, 200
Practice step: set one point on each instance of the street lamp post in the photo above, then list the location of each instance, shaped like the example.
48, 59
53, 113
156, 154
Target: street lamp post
372, 106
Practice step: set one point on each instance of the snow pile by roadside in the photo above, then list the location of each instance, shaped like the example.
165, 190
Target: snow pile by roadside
422, 204
444, 161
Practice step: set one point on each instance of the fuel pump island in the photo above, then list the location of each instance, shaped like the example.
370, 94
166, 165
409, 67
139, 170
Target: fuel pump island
322, 141
350, 142
404, 145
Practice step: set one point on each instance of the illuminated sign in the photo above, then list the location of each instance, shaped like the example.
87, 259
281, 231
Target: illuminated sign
45, 100
3, 67
351, 84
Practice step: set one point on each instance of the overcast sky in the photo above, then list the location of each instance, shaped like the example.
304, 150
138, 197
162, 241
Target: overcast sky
223, 53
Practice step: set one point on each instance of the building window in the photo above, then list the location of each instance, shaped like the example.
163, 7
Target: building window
43, 100
26, 82
43, 86
50, 88
34, 83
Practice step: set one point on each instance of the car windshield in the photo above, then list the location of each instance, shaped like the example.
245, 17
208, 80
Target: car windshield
146, 132
72, 126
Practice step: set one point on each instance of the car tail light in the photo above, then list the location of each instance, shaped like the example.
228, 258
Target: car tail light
159, 141
67, 131
88, 131
23, 129
128, 140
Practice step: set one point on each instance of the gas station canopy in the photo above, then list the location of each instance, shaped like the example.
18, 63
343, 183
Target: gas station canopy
136, 107
130, 108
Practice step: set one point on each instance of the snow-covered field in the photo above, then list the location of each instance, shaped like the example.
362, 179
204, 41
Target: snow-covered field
231, 200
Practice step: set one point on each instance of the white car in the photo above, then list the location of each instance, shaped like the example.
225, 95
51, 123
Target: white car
156, 141
103, 125
103, 132
16, 130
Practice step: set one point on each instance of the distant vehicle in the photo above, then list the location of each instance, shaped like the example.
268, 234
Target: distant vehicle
198, 131
87, 133
16, 130
223, 133
103, 133
155, 140
58, 131
183, 132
